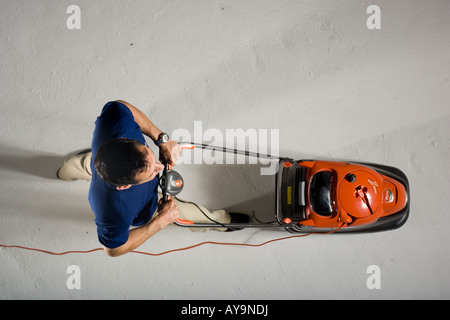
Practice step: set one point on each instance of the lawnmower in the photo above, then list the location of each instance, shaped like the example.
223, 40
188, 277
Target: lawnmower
319, 196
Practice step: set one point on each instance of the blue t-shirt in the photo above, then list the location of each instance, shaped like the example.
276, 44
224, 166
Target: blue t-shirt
116, 210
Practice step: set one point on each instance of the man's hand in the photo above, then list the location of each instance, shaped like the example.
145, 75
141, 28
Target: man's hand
168, 212
169, 152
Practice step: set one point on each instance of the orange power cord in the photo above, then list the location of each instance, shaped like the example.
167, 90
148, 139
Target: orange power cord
175, 250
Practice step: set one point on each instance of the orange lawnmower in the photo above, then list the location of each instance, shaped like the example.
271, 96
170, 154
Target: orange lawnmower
320, 196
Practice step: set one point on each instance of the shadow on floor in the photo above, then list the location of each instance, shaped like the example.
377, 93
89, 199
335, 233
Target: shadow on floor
36, 163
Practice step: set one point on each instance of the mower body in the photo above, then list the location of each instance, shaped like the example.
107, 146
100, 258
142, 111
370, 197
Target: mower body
356, 197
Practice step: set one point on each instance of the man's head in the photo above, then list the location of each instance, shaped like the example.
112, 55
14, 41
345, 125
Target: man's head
125, 162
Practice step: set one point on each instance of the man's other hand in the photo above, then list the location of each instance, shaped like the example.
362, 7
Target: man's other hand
169, 152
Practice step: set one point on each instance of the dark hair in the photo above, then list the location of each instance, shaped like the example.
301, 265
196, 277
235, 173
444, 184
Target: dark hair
119, 160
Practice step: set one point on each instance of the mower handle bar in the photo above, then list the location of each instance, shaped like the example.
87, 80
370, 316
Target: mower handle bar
190, 224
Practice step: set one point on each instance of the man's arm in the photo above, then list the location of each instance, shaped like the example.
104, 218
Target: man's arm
147, 127
169, 150
168, 214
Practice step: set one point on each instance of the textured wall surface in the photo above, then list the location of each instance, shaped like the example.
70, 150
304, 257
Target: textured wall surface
312, 69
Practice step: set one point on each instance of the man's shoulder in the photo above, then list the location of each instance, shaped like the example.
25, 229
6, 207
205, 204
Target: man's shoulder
115, 109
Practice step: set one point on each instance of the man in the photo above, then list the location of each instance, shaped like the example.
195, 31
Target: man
124, 179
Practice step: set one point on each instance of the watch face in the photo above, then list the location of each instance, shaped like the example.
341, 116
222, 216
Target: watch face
163, 138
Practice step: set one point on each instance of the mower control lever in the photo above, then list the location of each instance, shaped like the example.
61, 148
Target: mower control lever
362, 194
171, 182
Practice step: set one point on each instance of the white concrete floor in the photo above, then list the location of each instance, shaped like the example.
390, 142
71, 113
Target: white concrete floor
312, 69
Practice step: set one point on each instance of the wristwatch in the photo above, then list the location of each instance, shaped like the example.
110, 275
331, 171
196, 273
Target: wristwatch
162, 138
